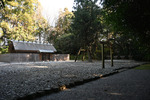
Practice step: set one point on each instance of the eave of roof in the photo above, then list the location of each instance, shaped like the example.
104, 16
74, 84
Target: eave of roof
46, 51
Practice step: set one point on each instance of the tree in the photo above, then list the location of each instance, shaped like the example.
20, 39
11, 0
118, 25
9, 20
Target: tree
65, 44
63, 23
42, 25
130, 18
17, 19
86, 24
61, 35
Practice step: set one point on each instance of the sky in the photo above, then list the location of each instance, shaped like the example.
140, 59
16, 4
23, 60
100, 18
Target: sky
51, 8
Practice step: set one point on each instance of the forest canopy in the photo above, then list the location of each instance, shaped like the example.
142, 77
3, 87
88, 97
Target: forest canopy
126, 21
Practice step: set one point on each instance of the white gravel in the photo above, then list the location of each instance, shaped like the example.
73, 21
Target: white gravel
21, 79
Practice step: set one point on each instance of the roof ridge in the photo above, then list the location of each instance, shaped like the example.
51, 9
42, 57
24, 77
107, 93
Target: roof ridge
33, 42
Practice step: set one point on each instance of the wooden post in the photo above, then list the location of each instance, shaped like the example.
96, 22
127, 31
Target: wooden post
111, 56
103, 62
83, 57
80, 50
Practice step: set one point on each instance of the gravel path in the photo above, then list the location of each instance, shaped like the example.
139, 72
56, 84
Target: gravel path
22, 79
129, 85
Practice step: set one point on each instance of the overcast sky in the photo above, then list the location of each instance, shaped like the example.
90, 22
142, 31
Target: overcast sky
51, 8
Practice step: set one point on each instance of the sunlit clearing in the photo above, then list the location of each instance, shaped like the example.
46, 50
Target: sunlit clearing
40, 66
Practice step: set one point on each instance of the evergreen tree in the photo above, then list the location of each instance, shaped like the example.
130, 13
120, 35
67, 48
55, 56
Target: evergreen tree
130, 18
63, 22
21, 20
61, 35
42, 25
18, 19
87, 24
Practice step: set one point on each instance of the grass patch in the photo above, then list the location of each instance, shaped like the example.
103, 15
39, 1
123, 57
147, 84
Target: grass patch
144, 67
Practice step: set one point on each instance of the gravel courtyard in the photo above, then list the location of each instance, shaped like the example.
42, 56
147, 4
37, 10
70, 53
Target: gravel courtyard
22, 79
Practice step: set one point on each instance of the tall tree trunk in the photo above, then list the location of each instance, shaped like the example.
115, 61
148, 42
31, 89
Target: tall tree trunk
40, 38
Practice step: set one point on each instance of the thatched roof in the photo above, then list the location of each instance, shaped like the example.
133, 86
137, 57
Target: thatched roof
30, 46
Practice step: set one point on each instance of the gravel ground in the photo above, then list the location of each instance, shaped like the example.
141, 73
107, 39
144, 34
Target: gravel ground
128, 85
22, 79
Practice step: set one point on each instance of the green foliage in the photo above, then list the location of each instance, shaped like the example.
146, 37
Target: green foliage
144, 67
18, 19
21, 20
62, 25
72, 57
80, 57
61, 36
86, 24
4, 50
130, 19
65, 44
42, 25
63, 22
